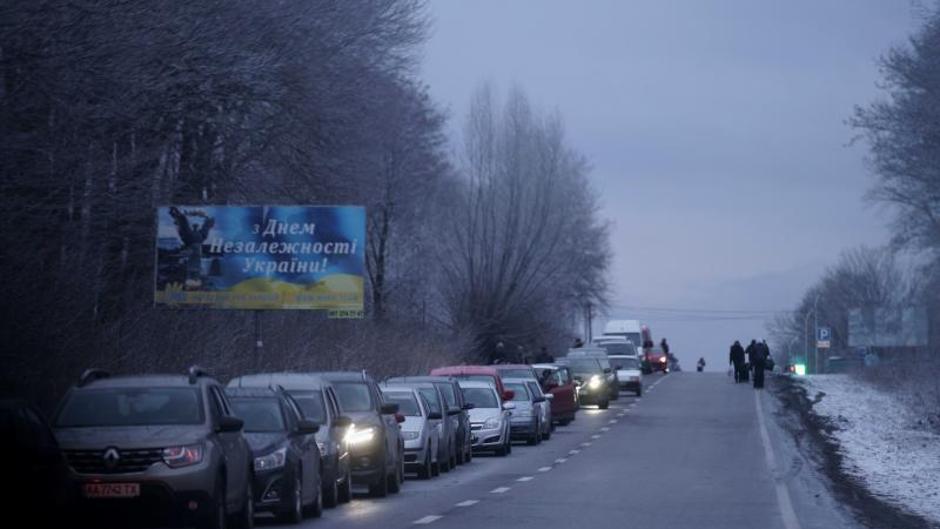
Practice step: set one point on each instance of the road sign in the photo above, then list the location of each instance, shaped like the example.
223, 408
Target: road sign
823, 337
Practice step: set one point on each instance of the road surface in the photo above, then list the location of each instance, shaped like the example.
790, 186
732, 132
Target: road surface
695, 451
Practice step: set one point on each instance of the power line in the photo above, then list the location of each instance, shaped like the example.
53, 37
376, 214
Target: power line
680, 310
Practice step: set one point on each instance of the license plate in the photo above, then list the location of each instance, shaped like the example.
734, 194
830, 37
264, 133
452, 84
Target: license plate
111, 490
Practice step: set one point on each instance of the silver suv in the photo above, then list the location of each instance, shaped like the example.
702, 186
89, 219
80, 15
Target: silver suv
163, 447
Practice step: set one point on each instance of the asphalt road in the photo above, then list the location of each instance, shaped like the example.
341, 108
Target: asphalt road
695, 451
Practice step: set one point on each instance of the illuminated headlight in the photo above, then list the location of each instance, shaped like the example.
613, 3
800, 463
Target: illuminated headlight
183, 456
360, 437
491, 424
663, 360
410, 435
595, 382
271, 461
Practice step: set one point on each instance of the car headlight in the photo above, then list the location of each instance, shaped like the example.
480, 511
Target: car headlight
356, 436
663, 360
491, 423
183, 456
275, 459
410, 435
595, 382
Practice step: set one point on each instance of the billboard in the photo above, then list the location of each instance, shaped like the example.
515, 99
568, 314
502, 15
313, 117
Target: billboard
888, 327
261, 257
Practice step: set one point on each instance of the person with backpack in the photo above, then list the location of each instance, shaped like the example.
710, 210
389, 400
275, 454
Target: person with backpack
736, 358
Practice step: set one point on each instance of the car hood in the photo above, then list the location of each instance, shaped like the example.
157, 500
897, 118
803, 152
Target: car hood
129, 437
263, 443
364, 418
482, 414
413, 424
623, 373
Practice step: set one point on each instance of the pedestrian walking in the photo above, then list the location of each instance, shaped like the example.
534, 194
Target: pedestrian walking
736, 359
701, 364
758, 361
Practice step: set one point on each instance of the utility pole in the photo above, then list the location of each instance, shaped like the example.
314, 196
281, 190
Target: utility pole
806, 337
590, 322
816, 334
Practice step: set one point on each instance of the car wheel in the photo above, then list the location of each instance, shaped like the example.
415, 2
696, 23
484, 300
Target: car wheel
345, 492
535, 437
424, 472
453, 454
394, 483
218, 519
294, 513
245, 518
639, 392
331, 491
547, 435
379, 489
443, 463
315, 509
604, 405
502, 450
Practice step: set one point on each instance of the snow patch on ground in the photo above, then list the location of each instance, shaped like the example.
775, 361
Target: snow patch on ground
881, 442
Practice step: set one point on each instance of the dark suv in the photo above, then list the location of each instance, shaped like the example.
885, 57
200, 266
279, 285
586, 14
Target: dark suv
376, 446
286, 457
164, 447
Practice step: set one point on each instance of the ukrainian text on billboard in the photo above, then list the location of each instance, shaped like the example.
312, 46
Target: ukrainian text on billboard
261, 257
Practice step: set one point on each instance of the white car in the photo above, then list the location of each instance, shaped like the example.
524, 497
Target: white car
489, 417
548, 425
629, 372
421, 430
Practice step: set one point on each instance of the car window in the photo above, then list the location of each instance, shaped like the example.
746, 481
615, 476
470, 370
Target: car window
311, 405
131, 407
332, 406
583, 366
261, 415
534, 389
219, 395
407, 404
354, 396
618, 348
481, 397
433, 400
449, 394
521, 392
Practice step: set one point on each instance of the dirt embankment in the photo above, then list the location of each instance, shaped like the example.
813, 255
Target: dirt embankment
813, 435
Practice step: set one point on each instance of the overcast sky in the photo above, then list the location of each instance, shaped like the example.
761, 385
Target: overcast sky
716, 130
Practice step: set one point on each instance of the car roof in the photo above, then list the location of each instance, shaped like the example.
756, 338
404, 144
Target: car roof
546, 366
587, 351
255, 392
611, 339
466, 370
512, 366
344, 376
417, 384
397, 388
287, 380
422, 378
623, 356
153, 381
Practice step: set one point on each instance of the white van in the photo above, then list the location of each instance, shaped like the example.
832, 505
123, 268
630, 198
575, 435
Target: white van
630, 329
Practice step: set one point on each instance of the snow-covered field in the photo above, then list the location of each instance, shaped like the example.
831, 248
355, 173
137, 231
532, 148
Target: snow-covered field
881, 442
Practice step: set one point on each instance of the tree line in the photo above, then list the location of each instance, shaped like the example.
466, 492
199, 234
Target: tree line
111, 108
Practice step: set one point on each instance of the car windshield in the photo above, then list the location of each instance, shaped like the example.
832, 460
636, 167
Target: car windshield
407, 403
311, 404
449, 393
481, 397
430, 395
521, 392
261, 414
624, 363
618, 348
354, 396
583, 366
479, 378
516, 373
131, 407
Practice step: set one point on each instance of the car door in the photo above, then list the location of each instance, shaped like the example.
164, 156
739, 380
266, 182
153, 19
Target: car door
337, 435
307, 445
565, 398
390, 426
234, 450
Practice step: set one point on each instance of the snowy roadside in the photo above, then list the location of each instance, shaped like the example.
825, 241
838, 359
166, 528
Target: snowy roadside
881, 442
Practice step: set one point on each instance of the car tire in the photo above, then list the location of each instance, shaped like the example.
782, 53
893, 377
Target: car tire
331, 491
345, 492
453, 454
294, 514
245, 517
315, 509
603, 405
639, 392
443, 463
547, 435
424, 472
218, 519
501, 451
536, 437
394, 481
379, 489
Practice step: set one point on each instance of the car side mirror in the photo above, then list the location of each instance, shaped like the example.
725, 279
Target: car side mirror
230, 424
389, 409
342, 422
307, 427
468, 406
509, 394
509, 405
399, 418
435, 416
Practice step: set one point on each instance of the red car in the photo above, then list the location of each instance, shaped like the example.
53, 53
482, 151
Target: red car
485, 373
558, 381
657, 360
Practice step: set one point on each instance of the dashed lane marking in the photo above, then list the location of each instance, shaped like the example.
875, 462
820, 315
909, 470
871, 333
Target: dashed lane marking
544, 469
596, 436
561, 460
523, 479
612, 421
573, 452
468, 503
499, 490
605, 429
586, 444
427, 519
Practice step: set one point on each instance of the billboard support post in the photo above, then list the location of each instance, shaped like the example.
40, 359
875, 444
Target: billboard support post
259, 340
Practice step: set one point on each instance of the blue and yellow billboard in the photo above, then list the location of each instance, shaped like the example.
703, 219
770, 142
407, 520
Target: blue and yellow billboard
261, 257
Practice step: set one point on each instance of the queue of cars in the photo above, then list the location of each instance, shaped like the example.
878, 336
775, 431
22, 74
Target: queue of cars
186, 449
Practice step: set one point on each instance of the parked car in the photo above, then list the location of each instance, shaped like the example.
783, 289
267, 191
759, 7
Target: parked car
43, 487
421, 429
287, 479
489, 417
591, 380
376, 447
629, 373
457, 410
318, 402
610, 376
516, 371
557, 381
485, 373
526, 419
447, 450
545, 408
657, 360
159, 447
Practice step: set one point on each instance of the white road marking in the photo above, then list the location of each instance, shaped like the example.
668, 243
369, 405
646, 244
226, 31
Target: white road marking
561, 460
427, 519
523, 479
596, 436
499, 490
605, 429
468, 503
544, 469
573, 452
612, 421
790, 521
586, 444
